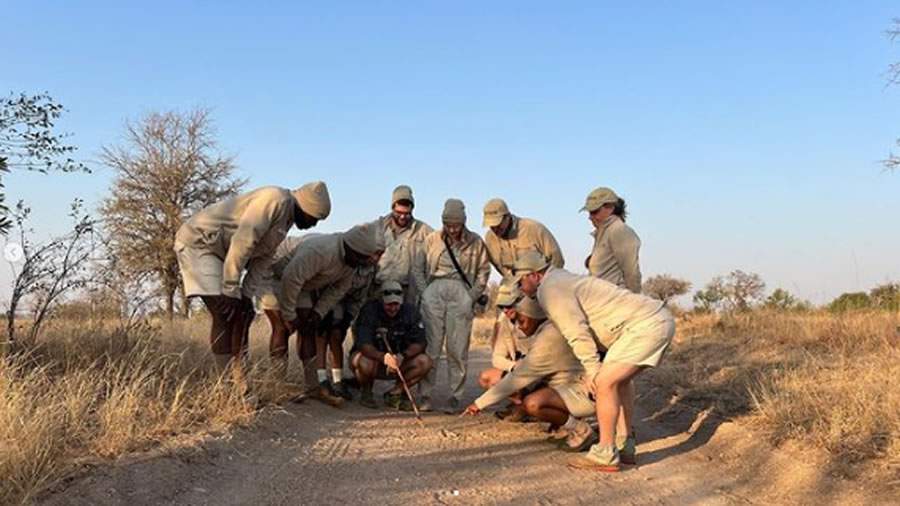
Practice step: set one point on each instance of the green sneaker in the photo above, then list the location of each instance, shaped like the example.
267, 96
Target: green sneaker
366, 399
392, 400
627, 448
604, 459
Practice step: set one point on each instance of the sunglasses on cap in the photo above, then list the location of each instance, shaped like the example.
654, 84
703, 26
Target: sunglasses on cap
392, 292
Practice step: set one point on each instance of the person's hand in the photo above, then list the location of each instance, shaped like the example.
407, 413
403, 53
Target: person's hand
587, 381
391, 361
471, 410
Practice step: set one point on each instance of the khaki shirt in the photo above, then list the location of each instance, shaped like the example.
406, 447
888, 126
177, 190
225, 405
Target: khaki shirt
524, 235
472, 257
615, 254
591, 313
316, 266
550, 357
244, 232
510, 343
401, 249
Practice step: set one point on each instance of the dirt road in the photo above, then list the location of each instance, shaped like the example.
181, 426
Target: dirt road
313, 454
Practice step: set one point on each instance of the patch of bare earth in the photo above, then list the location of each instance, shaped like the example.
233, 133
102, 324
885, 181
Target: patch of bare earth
313, 454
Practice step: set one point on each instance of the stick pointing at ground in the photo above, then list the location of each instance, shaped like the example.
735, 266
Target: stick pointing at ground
403, 382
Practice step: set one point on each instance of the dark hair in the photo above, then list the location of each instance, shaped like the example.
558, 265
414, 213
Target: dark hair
404, 202
619, 210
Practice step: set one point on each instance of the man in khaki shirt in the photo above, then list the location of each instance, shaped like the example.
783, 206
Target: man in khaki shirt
404, 236
563, 401
595, 316
449, 295
239, 235
510, 236
315, 277
614, 257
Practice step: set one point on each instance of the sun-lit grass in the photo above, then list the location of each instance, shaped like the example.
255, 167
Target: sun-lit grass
91, 391
827, 381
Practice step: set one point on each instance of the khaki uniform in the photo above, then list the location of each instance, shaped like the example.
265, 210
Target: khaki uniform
596, 315
551, 359
615, 254
401, 248
217, 244
448, 304
524, 235
510, 346
316, 276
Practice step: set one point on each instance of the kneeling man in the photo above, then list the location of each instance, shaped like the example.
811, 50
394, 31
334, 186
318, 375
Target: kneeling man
389, 322
561, 400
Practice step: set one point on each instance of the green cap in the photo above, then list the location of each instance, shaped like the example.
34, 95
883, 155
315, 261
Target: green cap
530, 308
494, 211
598, 198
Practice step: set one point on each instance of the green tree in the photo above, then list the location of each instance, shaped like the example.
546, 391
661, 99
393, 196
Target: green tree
850, 301
886, 296
781, 299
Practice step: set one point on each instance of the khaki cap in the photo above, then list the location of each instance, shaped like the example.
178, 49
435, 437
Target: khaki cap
530, 261
494, 211
363, 239
313, 199
402, 192
530, 308
598, 198
508, 293
391, 292
454, 211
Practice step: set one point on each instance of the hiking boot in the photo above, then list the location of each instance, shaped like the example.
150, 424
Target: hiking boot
405, 405
579, 439
557, 435
366, 399
392, 400
425, 405
602, 459
627, 448
342, 390
325, 394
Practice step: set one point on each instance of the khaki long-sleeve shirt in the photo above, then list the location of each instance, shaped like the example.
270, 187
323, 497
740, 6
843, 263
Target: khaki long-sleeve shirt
510, 344
401, 249
550, 357
317, 265
524, 235
590, 312
614, 257
244, 232
471, 255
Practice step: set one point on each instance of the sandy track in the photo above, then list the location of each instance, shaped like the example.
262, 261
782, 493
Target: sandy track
313, 454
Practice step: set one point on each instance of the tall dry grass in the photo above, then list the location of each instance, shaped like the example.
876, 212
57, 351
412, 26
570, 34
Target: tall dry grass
90, 391
828, 381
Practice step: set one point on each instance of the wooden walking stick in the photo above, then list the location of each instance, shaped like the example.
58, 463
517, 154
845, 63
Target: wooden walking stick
403, 382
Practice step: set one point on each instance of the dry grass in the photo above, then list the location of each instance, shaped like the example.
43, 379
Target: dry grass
826, 381
90, 391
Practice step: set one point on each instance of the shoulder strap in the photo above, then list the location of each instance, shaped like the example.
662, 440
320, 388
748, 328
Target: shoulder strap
456, 264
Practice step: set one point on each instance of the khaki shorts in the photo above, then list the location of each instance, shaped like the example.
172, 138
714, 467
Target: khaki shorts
576, 399
201, 271
644, 343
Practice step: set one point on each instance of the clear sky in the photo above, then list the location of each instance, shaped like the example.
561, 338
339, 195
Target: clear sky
742, 134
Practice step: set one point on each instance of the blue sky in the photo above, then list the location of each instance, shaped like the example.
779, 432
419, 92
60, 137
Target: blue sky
742, 135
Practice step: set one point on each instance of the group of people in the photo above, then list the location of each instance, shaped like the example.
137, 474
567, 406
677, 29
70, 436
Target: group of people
565, 346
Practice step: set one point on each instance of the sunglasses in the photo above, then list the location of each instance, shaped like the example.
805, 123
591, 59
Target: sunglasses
392, 292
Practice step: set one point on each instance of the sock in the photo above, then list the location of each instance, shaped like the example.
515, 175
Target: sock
322, 374
336, 375
570, 423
